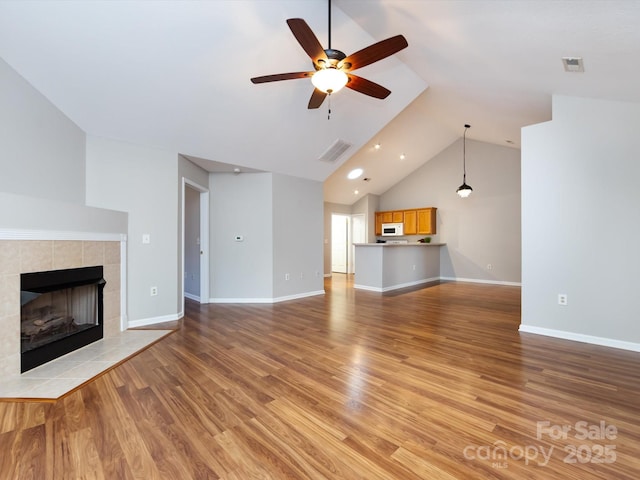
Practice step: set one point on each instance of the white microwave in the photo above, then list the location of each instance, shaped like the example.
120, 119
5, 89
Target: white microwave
392, 229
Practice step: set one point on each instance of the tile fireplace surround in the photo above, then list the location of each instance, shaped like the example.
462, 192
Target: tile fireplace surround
62, 375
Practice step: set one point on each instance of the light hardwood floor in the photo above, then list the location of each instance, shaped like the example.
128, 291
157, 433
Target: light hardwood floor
425, 383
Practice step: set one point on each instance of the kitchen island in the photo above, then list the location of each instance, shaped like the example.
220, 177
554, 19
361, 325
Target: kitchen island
381, 267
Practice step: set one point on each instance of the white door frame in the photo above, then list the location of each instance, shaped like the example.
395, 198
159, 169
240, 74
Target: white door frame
204, 239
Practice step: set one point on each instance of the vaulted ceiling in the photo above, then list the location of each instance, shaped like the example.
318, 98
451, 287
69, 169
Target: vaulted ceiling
175, 75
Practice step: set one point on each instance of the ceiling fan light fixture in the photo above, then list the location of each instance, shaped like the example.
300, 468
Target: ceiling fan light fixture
329, 80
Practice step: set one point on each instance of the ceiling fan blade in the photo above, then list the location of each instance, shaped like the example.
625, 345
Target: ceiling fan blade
367, 87
307, 39
373, 53
317, 97
281, 76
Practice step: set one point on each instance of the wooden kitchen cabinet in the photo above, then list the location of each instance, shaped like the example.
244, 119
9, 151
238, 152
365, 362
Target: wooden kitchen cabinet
410, 222
379, 223
426, 221
394, 216
387, 217
417, 221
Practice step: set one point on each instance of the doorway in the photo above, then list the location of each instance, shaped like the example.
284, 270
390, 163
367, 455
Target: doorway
195, 242
339, 243
345, 231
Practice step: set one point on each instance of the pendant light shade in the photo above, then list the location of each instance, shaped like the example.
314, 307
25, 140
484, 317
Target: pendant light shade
464, 190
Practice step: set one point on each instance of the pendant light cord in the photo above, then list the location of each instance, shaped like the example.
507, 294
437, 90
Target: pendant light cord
464, 154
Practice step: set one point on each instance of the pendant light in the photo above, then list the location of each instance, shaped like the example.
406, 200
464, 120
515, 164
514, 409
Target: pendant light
464, 190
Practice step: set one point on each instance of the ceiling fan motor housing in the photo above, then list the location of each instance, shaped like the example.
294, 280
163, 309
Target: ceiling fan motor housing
334, 56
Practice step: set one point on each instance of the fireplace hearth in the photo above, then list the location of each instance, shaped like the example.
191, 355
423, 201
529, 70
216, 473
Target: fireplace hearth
61, 311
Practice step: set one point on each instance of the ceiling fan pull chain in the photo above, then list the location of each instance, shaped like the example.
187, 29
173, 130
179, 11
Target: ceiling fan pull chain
329, 110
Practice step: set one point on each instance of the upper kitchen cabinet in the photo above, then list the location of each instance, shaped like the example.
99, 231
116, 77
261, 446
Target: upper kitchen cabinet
417, 221
395, 216
426, 223
378, 223
410, 222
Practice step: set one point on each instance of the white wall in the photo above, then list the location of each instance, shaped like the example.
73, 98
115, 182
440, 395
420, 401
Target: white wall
280, 220
143, 182
19, 212
42, 151
241, 205
579, 222
297, 235
481, 230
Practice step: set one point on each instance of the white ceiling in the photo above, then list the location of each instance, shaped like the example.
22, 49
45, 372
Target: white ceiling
175, 75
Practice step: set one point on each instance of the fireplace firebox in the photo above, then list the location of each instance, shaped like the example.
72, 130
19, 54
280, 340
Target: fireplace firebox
61, 311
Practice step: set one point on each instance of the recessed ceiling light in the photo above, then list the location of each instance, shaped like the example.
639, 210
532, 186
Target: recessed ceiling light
377, 146
355, 173
402, 157
355, 192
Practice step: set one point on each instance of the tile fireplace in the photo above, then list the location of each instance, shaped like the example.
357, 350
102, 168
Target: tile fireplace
20, 256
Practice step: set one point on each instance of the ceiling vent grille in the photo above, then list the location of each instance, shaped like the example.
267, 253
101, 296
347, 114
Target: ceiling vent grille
335, 151
573, 64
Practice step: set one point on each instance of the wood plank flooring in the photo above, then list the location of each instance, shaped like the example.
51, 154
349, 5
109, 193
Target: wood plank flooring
425, 383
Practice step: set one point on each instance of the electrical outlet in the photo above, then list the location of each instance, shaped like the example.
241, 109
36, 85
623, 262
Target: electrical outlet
317, 273
489, 266
154, 291
562, 299
301, 275
413, 267
286, 276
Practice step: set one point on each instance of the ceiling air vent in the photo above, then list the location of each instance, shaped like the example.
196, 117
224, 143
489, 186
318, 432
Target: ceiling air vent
335, 151
573, 64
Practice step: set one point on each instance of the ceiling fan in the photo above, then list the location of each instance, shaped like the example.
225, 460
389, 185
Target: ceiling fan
332, 67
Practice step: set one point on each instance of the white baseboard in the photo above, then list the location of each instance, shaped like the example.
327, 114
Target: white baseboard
579, 337
191, 296
143, 322
298, 295
396, 287
267, 300
476, 280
